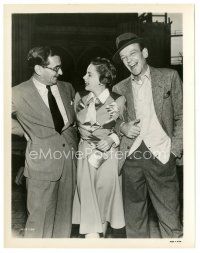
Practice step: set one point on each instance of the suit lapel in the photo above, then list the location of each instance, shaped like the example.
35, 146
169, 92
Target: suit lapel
33, 97
158, 84
130, 100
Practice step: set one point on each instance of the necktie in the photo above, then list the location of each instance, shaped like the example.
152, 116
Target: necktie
98, 104
55, 112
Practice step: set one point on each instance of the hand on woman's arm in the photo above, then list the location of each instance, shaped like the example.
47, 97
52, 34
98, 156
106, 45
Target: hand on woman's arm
105, 144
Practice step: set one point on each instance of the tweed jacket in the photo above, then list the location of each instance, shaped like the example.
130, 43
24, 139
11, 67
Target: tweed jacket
46, 149
168, 102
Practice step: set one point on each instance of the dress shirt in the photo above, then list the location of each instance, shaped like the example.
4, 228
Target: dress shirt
151, 132
44, 95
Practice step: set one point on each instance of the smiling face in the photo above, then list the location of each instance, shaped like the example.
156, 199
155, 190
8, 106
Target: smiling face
91, 79
49, 74
134, 59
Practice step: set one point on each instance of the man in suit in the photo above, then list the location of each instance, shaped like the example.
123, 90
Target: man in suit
43, 110
151, 140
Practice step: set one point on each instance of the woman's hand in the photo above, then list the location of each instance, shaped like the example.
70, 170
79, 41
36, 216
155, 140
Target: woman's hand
105, 145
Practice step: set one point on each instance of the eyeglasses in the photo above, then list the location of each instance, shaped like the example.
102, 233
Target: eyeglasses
55, 69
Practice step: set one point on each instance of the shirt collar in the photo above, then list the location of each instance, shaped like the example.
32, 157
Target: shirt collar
39, 85
102, 97
146, 74
42, 87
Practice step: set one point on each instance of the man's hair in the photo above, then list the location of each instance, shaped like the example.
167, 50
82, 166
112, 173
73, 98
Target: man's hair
106, 70
39, 55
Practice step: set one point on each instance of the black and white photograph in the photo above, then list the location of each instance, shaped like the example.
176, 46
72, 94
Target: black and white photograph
98, 125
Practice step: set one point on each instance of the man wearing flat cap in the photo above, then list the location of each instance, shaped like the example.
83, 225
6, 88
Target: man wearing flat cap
151, 140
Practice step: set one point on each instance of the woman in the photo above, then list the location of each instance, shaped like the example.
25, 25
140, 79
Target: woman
98, 198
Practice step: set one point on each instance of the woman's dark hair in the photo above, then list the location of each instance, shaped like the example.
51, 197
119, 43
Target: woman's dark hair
39, 56
106, 70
